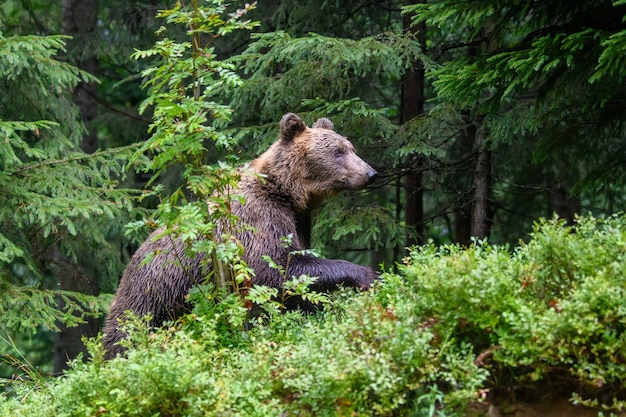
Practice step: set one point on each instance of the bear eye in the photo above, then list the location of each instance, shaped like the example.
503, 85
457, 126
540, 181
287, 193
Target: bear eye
339, 152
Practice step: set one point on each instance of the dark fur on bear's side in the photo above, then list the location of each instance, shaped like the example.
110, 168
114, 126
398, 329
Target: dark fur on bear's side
302, 168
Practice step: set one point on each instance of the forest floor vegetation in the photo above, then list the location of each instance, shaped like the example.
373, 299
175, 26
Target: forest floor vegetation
535, 330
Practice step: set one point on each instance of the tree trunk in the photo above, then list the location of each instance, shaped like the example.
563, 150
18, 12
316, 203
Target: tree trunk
76, 278
481, 179
463, 225
561, 203
79, 21
481, 186
412, 105
463, 205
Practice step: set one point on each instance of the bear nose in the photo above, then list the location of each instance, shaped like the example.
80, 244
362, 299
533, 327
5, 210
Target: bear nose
371, 174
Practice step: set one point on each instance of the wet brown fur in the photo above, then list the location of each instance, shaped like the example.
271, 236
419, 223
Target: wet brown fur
298, 171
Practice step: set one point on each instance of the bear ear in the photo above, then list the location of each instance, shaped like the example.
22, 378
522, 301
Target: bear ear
291, 126
324, 123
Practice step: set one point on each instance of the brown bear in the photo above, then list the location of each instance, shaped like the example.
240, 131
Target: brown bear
297, 172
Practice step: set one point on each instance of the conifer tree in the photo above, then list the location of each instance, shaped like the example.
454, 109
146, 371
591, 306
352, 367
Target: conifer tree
104, 34
57, 203
546, 80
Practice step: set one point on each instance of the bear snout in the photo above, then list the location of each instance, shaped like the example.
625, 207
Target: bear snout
358, 180
371, 175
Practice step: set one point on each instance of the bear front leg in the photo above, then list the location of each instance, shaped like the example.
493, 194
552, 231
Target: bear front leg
331, 272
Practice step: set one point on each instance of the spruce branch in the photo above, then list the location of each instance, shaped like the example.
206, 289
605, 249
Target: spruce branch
76, 158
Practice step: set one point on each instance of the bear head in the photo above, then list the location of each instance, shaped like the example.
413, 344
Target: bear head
314, 163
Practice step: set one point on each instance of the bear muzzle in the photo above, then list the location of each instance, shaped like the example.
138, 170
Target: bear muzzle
358, 181
371, 175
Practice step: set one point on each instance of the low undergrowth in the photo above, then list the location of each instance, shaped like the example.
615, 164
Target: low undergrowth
454, 325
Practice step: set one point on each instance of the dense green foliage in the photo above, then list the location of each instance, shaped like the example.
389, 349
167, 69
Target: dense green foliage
454, 324
55, 200
543, 82
44, 175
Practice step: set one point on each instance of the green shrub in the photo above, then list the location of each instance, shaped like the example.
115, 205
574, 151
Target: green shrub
453, 324
552, 311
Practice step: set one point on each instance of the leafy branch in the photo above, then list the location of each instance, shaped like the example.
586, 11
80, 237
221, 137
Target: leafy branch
273, 299
187, 128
